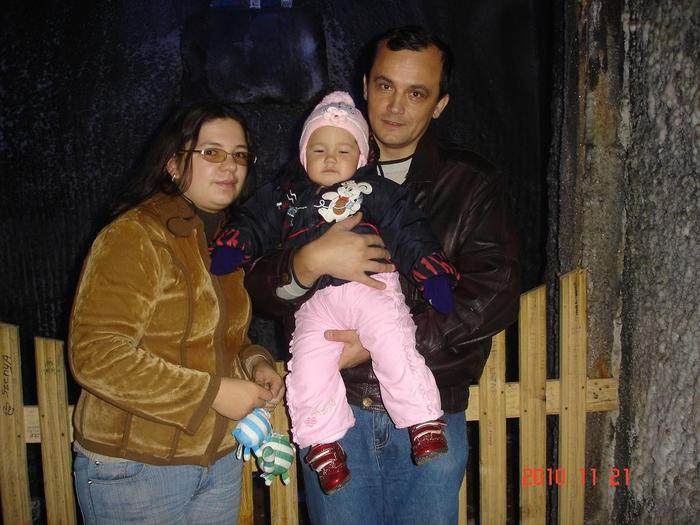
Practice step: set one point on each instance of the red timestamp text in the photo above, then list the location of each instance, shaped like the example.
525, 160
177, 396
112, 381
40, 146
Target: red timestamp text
557, 476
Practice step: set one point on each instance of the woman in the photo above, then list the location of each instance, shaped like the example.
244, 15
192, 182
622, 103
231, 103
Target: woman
159, 345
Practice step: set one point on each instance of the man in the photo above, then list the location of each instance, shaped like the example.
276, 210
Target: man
406, 87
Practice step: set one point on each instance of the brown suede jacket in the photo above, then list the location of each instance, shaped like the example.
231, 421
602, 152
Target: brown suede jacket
152, 333
466, 206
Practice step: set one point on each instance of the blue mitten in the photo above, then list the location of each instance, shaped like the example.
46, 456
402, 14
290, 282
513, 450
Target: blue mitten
438, 291
225, 259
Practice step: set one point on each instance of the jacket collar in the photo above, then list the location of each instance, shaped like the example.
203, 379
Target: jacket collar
424, 165
177, 214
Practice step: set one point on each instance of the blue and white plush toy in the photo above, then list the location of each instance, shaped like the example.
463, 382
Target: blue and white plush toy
275, 458
251, 432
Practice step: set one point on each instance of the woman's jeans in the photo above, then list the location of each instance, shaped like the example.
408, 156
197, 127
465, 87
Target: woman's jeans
386, 487
115, 493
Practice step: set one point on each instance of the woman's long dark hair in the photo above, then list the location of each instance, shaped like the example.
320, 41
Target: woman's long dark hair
180, 131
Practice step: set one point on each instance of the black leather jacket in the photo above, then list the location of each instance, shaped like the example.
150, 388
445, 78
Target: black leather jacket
466, 206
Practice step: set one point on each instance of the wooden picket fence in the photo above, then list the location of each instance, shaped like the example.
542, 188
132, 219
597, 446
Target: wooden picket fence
491, 402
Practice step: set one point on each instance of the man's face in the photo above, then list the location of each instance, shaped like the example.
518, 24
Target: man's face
402, 98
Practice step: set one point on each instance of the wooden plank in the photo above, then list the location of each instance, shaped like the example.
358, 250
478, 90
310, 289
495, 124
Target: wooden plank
32, 424
601, 396
245, 514
492, 435
14, 480
284, 505
533, 388
57, 458
572, 382
463, 506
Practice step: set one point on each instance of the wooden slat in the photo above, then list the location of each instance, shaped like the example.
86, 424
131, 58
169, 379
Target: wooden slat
601, 396
463, 507
572, 377
284, 505
245, 514
492, 435
14, 480
533, 388
56, 454
32, 424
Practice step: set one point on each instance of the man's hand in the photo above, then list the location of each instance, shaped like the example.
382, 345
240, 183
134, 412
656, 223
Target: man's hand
268, 378
237, 398
342, 254
353, 353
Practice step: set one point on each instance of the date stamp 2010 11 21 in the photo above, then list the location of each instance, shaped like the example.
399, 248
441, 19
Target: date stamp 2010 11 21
535, 477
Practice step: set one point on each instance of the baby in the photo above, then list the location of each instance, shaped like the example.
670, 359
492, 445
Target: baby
337, 183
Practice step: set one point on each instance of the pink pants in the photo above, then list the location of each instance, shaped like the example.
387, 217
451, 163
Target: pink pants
316, 398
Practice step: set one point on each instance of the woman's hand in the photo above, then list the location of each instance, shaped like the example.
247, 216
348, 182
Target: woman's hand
267, 377
343, 254
238, 397
353, 353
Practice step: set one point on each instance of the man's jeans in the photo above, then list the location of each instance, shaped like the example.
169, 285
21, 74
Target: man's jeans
131, 492
386, 486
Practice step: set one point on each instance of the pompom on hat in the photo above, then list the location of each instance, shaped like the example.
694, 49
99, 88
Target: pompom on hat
337, 109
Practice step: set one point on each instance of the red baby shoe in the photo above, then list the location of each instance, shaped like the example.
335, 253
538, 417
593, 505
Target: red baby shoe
428, 440
328, 460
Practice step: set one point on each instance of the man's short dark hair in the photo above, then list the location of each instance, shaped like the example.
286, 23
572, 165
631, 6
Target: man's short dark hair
414, 38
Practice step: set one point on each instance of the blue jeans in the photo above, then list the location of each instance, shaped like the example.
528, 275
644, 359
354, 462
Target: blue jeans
386, 486
133, 492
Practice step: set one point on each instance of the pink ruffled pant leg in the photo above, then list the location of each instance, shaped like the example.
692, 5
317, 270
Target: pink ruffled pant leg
315, 390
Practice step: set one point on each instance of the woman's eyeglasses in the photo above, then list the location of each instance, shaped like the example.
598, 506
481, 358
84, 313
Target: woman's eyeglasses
218, 155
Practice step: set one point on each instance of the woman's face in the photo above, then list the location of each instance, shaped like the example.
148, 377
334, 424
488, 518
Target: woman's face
215, 185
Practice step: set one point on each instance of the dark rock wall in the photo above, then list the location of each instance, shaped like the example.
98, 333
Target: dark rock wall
660, 417
623, 194
586, 179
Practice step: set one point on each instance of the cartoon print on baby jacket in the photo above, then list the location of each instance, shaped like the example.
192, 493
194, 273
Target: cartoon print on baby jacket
294, 211
345, 201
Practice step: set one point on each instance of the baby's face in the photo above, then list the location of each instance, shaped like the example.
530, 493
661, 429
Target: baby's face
332, 156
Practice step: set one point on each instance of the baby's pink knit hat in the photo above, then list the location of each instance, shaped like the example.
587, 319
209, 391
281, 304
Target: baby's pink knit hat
338, 110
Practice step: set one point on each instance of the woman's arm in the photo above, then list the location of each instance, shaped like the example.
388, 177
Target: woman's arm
237, 398
259, 366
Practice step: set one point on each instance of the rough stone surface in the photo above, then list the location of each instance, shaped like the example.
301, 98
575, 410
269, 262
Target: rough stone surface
624, 176
600, 212
586, 202
660, 419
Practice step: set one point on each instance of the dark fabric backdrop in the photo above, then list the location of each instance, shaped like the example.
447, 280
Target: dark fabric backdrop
84, 84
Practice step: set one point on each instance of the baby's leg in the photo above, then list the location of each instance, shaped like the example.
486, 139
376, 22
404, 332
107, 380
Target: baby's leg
409, 392
316, 398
